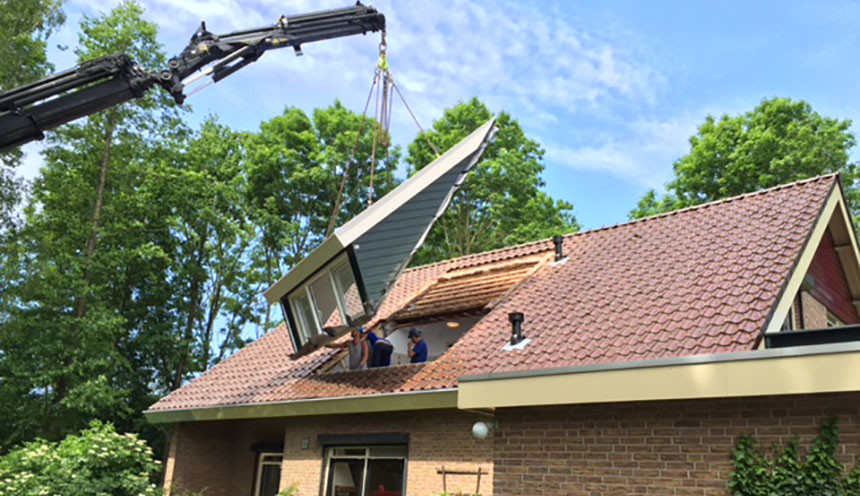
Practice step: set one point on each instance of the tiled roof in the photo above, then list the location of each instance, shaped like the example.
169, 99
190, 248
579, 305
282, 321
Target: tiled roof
697, 281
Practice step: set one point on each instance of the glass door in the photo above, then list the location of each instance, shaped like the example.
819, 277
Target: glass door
366, 471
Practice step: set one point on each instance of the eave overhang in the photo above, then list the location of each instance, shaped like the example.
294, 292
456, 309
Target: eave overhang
374, 403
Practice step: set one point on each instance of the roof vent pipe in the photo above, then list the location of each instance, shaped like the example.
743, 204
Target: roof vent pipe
517, 319
559, 253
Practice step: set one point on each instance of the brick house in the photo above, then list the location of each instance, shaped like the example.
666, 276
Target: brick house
647, 349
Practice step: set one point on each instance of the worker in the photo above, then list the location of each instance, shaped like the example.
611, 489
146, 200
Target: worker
380, 349
417, 347
358, 350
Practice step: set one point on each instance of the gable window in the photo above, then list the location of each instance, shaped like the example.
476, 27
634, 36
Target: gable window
365, 470
788, 323
268, 472
833, 321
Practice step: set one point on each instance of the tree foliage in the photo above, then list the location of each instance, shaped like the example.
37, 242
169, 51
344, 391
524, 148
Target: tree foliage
82, 275
208, 296
99, 461
501, 202
24, 28
295, 164
779, 141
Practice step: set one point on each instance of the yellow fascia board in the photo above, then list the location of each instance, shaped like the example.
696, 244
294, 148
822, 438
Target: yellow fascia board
446, 398
801, 370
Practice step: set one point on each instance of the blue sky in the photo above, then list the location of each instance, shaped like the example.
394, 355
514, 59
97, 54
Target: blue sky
612, 90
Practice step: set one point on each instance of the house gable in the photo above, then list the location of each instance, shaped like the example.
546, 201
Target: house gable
827, 283
827, 270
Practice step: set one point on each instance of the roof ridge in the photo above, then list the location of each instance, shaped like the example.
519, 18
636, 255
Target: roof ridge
629, 222
702, 206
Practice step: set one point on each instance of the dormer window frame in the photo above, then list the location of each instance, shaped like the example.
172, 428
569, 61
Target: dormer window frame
303, 332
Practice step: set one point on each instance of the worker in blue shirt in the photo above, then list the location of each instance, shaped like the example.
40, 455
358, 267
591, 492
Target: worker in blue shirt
417, 347
380, 349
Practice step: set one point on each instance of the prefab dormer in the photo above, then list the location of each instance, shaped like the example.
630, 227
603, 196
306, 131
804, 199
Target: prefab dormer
343, 282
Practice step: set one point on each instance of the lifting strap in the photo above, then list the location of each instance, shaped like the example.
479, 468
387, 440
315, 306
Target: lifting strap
383, 84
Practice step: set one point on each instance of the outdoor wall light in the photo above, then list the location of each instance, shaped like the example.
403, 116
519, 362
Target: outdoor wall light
452, 324
482, 429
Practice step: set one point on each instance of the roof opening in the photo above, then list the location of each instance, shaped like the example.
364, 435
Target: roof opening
437, 336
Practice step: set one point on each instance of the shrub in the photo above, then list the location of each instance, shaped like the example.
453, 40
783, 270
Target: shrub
293, 490
819, 473
98, 462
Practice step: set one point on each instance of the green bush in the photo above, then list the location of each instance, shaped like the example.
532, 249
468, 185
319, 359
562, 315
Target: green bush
98, 462
819, 473
293, 490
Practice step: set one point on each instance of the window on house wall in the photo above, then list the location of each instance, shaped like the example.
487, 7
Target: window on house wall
788, 324
365, 471
268, 474
833, 321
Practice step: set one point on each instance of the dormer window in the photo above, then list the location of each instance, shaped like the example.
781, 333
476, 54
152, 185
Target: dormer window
343, 282
325, 304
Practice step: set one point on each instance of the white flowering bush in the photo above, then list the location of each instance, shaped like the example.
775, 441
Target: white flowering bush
98, 462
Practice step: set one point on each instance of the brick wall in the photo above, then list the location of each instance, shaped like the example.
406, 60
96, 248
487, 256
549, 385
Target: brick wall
814, 312
216, 455
436, 439
216, 458
672, 447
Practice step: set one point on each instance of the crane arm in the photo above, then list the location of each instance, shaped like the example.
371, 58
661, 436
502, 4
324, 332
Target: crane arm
26, 112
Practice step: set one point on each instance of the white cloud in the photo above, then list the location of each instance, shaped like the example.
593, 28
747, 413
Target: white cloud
542, 65
523, 57
643, 154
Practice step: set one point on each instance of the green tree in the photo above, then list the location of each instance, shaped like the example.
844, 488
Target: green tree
85, 273
779, 141
295, 164
201, 183
24, 28
97, 461
501, 202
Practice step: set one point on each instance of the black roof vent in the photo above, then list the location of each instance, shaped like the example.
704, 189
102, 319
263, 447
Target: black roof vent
557, 241
517, 319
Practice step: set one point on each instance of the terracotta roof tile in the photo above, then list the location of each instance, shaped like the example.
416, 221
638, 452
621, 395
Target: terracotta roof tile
696, 281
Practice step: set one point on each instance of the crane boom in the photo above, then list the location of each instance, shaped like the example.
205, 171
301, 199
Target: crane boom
26, 112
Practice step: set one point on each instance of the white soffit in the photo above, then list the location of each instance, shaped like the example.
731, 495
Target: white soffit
386, 234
